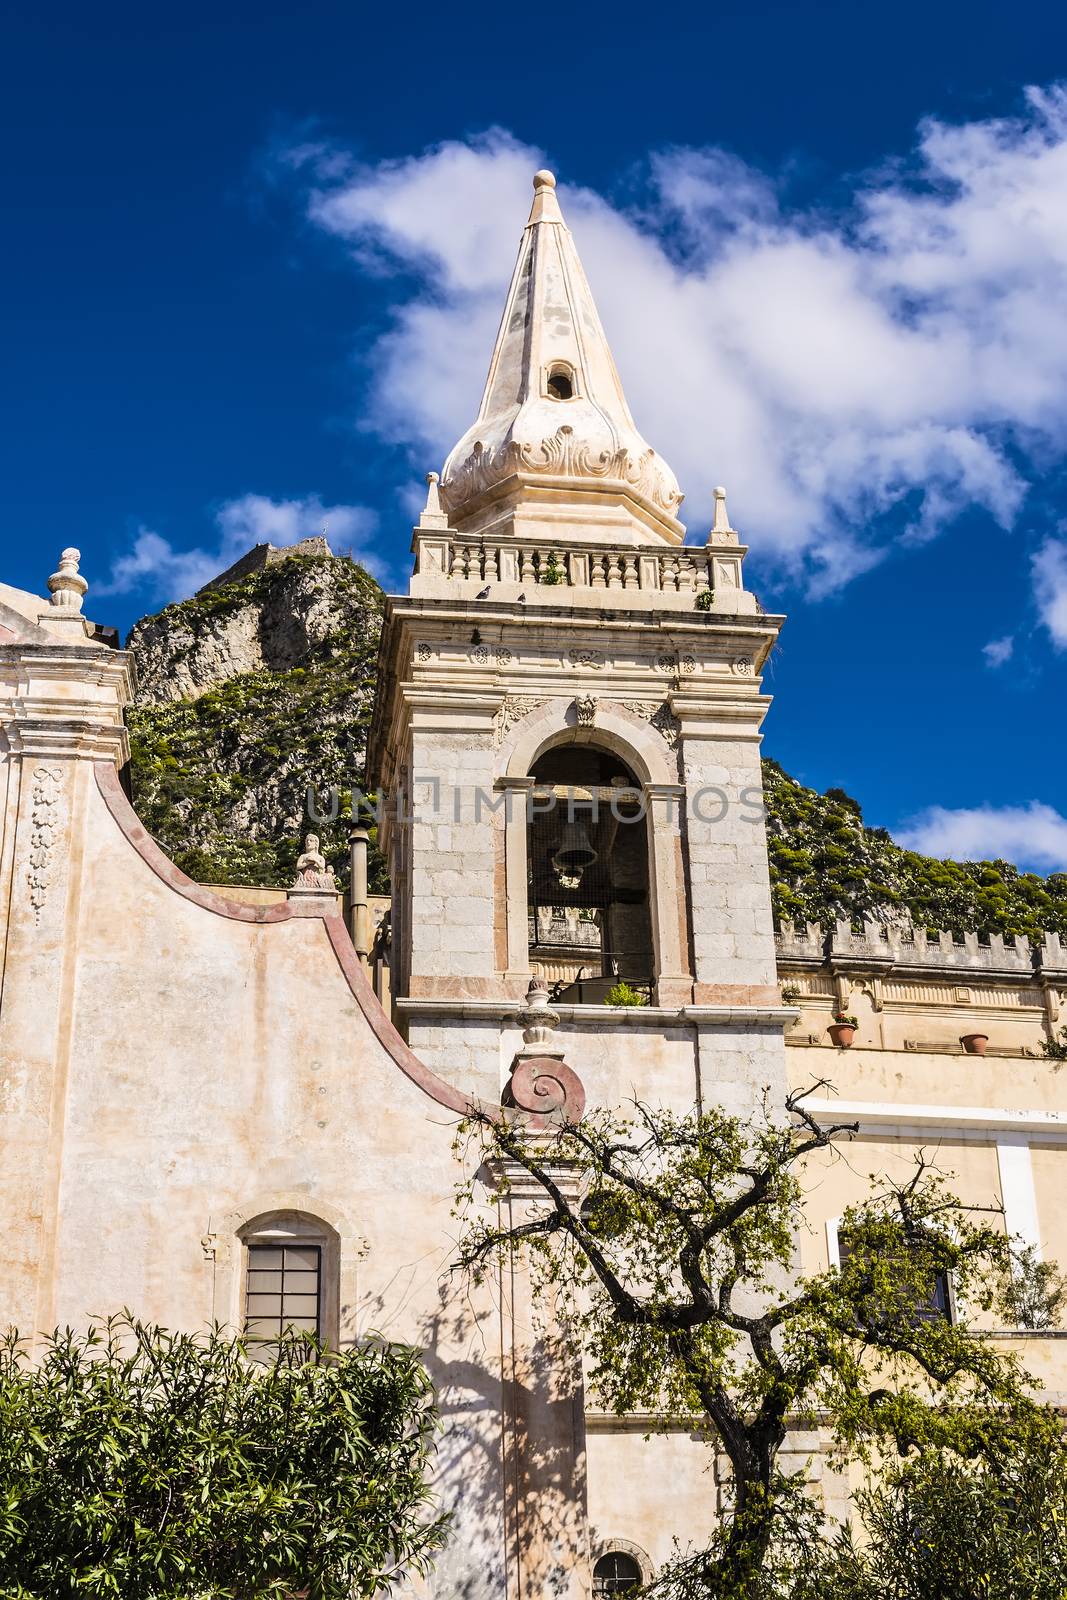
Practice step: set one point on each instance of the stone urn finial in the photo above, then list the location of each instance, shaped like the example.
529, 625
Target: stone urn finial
538, 1022
541, 1083
67, 586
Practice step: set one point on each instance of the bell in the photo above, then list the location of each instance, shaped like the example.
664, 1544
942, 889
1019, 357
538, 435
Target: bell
573, 853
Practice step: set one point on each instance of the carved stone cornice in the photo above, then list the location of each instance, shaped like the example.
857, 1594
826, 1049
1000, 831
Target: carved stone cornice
562, 458
720, 716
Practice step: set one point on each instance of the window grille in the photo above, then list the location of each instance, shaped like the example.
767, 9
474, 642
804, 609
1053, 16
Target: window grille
284, 1292
616, 1573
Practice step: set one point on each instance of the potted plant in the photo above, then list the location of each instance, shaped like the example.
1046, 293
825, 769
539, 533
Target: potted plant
621, 994
974, 1043
843, 1029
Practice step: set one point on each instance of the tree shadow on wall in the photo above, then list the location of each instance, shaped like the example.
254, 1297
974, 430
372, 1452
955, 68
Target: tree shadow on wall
512, 1456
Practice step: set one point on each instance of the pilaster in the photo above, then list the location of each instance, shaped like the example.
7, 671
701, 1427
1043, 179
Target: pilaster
60, 710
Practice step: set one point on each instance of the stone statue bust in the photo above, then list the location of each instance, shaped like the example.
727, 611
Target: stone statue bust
311, 869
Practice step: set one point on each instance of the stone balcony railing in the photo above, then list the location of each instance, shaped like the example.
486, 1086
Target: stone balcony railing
573, 573
884, 947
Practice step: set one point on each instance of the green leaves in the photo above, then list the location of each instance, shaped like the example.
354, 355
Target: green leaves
152, 1465
667, 1245
826, 864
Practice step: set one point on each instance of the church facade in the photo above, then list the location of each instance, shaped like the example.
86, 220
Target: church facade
568, 730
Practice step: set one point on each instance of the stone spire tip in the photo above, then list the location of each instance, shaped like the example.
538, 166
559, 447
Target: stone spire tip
545, 206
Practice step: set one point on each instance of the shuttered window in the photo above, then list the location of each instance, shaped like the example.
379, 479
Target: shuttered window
284, 1291
934, 1306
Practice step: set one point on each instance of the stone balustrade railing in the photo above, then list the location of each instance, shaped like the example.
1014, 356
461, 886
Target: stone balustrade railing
580, 567
879, 945
683, 572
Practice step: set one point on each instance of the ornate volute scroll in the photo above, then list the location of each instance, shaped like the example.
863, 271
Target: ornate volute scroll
541, 1082
546, 1088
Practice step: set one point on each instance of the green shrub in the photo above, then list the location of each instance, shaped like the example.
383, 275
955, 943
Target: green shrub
622, 995
148, 1465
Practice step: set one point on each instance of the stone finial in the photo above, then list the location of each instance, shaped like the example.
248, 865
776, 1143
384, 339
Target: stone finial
538, 1022
433, 498
311, 869
721, 530
541, 1083
67, 586
432, 515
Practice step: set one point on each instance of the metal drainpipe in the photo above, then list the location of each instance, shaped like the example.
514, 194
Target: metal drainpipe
359, 911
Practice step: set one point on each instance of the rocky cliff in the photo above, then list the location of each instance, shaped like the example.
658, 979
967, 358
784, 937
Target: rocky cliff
256, 688
247, 694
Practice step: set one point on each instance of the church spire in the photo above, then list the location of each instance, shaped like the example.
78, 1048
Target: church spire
554, 427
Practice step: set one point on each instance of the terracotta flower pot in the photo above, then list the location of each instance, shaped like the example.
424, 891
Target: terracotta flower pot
842, 1034
974, 1043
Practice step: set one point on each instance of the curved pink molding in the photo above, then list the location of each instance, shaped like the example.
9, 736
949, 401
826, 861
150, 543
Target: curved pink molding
387, 1036
129, 824
134, 830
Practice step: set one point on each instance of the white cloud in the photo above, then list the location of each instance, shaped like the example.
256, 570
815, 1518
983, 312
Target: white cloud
908, 357
1048, 568
999, 651
1034, 835
154, 567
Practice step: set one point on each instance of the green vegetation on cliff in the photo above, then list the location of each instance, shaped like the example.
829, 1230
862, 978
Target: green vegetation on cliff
221, 778
825, 864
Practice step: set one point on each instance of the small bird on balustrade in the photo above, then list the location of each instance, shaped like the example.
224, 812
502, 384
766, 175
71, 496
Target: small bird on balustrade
484, 595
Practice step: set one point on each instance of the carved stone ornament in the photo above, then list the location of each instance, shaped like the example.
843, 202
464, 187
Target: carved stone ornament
538, 1022
586, 656
423, 653
660, 717
549, 1090
44, 829
742, 666
585, 710
311, 869
503, 656
561, 455
687, 663
666, 663
514, 709
67, 586
479, 655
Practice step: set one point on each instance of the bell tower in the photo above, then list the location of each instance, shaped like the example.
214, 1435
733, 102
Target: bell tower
568, 730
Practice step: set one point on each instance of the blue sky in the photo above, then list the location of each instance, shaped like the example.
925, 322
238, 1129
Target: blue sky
255, 257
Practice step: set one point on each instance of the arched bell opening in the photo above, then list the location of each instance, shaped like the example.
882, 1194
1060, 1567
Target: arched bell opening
588, 904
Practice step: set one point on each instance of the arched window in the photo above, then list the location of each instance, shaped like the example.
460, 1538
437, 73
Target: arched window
560, 382
291, 1264
616, 1573
587, 861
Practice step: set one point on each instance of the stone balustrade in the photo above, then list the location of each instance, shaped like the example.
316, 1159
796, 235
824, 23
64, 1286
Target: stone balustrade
578, 573
580, 567
876, 944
